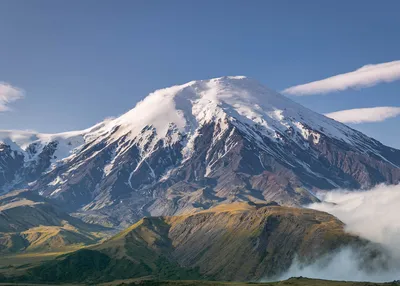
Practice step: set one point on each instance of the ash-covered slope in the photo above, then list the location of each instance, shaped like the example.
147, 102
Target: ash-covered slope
196, 145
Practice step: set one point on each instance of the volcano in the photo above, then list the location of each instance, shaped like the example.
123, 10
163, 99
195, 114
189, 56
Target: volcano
191, 147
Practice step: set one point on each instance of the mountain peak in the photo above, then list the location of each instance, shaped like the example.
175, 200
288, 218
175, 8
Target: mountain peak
193, 146
204, 100
186, 107
238, 98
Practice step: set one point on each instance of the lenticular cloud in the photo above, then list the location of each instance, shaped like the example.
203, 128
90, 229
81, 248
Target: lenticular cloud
365, 76
8, 93
361, 115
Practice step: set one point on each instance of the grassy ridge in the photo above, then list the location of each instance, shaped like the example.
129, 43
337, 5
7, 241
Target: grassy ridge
292, 282
30, 223
235, 242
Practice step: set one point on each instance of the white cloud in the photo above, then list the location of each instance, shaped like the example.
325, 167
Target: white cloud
365, 76
361, 115
371, 215
347, 264
9, 93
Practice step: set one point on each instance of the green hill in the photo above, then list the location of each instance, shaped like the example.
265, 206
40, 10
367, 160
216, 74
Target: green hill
292, 282
237, 242
30, 223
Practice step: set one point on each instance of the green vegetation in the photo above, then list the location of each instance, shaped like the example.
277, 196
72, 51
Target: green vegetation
93, 267
292, 282
30, 224
237, 242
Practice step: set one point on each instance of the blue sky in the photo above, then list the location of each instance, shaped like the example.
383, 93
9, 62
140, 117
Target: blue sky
81, 61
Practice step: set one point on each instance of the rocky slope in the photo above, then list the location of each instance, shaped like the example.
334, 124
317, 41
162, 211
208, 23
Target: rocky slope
230, 242
29, 223
194, 146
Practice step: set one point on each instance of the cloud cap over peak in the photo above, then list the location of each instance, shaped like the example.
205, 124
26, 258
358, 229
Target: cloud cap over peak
366, 76
9, 93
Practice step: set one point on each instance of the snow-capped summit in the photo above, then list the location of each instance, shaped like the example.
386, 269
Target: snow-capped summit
195, 145
195, 103
186, 107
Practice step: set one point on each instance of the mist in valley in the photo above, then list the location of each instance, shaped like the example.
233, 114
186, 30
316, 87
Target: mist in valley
371, 215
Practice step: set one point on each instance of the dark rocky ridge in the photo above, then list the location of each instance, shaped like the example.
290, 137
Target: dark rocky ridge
17, 170
245, 173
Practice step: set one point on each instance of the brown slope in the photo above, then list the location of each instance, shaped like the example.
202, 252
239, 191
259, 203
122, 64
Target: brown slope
240, 242
30, 223
230, 242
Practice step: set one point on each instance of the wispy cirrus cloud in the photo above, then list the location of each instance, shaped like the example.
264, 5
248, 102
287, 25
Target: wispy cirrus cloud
365, 76
9, 93
362, 115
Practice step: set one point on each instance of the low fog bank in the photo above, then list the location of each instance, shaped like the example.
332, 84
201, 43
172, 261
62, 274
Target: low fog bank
347, 264
372, 215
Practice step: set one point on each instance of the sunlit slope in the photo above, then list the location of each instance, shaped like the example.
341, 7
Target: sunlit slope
231, 242
29, 223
